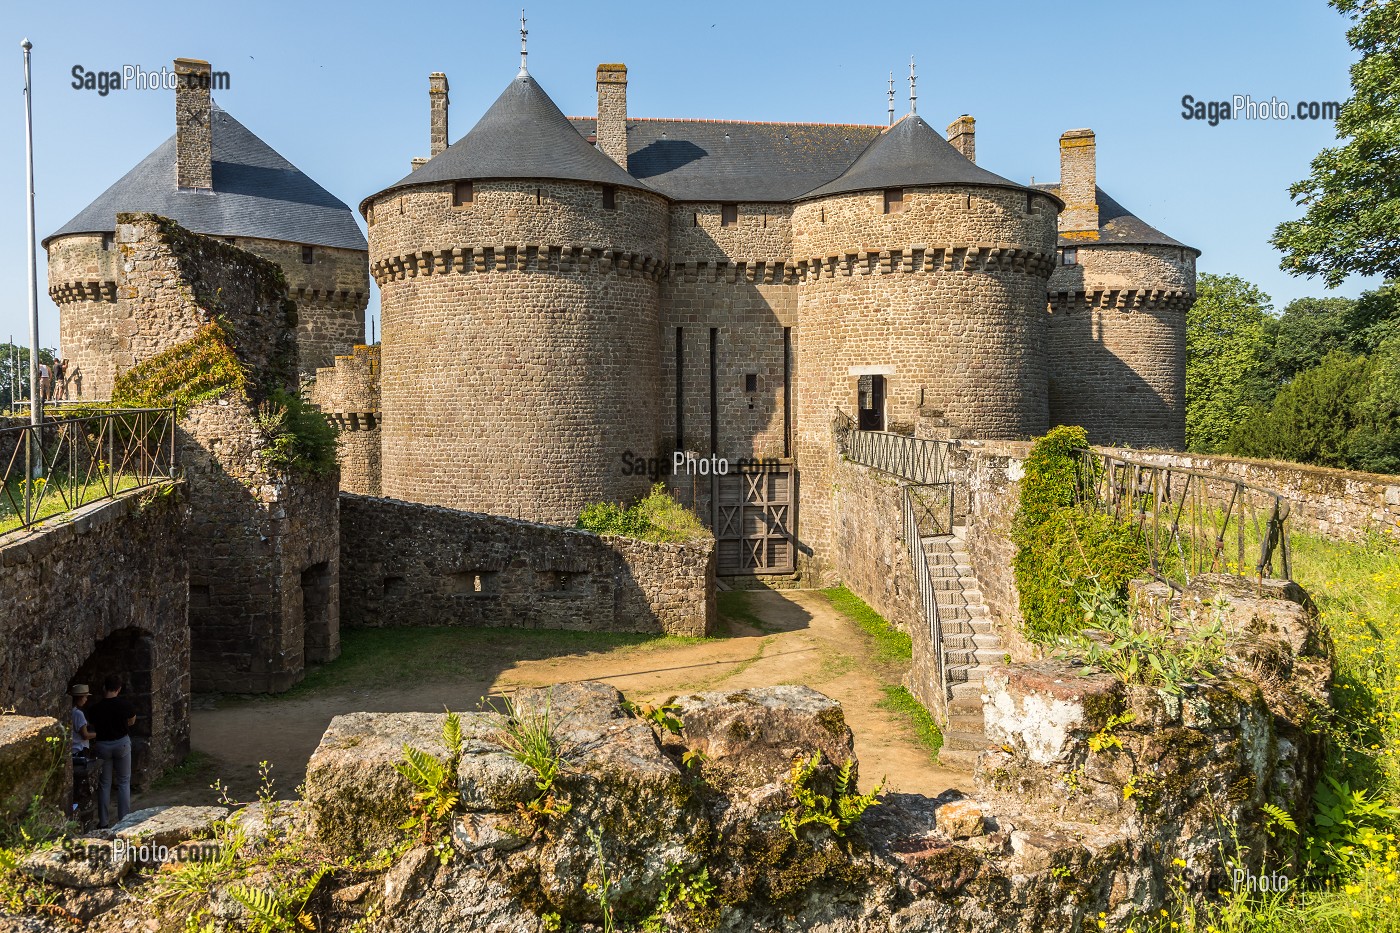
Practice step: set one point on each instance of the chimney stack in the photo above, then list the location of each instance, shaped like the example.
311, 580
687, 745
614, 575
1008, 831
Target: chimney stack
962, 133
194, 139
437, 108
1078, 186
611, 133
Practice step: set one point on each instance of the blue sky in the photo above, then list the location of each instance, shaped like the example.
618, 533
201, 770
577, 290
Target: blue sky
341, 91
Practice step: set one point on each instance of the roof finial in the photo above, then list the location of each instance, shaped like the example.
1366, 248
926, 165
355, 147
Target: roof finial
524, 35
913, 95
891, 98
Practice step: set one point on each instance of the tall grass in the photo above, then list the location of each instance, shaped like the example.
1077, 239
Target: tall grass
1357, 590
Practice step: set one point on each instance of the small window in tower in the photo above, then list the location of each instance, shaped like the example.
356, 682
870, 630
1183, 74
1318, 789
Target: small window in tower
1069, 256
107, 241
695, 219
728, 215
462, 194
369, 216
308, 255
894, 200
609, 198
750, 382
1030, 203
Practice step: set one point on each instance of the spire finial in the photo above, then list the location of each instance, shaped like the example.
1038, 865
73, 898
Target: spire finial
524, 35
891, 98
913, 95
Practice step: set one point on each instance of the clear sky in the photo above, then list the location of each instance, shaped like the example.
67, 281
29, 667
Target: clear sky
341, 91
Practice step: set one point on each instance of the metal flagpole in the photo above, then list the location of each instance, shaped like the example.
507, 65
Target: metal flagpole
36, 404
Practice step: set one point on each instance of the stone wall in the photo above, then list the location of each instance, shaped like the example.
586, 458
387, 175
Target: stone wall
1338, 504
944, 299
348, 394
104, 592
409, 564
263, 540
1116, 342
84, 271
868, 553
516, 376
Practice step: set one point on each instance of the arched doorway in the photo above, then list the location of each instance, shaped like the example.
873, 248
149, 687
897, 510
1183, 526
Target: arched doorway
129, 654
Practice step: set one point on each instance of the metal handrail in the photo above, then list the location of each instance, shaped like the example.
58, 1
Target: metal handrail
928, 601
49, 469
1192, 522
918, 459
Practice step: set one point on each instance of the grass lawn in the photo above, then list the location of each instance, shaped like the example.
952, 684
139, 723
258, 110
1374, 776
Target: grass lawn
375, 658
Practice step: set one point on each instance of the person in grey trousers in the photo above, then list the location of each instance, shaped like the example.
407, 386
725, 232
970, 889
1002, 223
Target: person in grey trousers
111, 721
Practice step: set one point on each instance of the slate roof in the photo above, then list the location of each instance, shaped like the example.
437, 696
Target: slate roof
719, 160
1118, 226
257, 193
910, 154
524, 134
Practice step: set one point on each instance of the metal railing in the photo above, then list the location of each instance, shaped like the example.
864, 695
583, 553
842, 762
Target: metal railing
1192, 522
917, 459
65, 463
914, 512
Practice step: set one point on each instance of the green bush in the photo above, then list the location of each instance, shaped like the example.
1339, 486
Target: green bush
299, 438
1063, 548
656, 517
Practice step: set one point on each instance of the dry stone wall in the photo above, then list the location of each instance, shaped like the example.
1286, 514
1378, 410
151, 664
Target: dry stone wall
103, 592
404, 563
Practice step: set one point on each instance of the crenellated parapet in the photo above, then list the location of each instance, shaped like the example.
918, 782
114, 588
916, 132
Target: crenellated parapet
1121, 299
71, 292
921, 259
348, 395
523, 257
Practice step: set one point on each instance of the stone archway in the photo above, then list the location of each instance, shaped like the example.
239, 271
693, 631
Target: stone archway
130, 654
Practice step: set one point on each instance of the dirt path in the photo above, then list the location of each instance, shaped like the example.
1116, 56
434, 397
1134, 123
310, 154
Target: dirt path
802, 641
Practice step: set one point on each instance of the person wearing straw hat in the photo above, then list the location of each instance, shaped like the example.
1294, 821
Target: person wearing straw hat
82, 732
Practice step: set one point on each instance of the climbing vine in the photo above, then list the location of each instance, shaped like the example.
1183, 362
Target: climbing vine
1062, 548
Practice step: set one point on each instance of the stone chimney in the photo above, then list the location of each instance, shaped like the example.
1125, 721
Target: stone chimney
437, 109
194, 135
612, 113
1078, 185
962, 133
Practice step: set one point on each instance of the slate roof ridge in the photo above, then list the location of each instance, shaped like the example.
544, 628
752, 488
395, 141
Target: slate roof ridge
1118, 226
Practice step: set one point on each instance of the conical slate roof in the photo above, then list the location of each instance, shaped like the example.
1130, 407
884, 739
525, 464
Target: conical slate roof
257, 193
524, 134
1119, 226
909, 154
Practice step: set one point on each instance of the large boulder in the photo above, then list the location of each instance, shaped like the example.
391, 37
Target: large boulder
34, 765
357, 798
749, 738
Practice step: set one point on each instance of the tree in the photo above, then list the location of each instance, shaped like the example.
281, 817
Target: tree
1224, 331
1375, 443
1313, 419
14, 371
1300, 337
1352, 223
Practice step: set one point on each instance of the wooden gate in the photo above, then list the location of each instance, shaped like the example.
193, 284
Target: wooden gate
756, 520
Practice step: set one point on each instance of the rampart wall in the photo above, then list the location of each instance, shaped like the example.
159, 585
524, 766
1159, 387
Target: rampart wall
103, 592
404, 563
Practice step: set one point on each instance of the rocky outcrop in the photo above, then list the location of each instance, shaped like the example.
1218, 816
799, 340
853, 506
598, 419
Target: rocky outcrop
34, 765
569, 808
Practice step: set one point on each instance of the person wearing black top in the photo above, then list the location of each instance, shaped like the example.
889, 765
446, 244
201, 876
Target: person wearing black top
112, 720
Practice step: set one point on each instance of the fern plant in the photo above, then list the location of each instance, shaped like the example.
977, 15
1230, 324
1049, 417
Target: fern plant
280, 912
837, 811
436, 795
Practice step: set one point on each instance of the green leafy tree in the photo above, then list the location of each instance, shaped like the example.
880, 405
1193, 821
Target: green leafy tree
1374, 318
1352, 223
1374, 445
1225, 330
1312, 418
14, 371
1300, 337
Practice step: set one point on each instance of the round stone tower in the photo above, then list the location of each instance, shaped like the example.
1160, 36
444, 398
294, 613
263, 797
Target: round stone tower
1117, 326
518, 276
923, 282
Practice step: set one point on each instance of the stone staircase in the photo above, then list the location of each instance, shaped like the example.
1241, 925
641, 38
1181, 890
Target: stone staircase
970, 645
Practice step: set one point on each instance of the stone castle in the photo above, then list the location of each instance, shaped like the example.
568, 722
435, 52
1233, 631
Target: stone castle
566, 300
